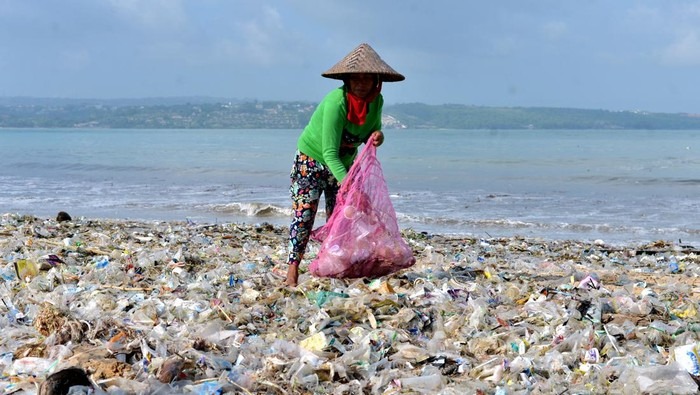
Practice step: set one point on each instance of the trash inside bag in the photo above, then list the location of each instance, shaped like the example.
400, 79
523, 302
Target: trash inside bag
362, 237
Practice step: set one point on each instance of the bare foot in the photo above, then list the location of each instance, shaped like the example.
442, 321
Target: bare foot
292, 275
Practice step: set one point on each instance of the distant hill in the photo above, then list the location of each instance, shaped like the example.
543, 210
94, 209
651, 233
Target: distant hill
209, 113
455, 116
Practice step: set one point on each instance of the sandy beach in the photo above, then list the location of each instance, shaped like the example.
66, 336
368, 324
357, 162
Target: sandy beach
182, 307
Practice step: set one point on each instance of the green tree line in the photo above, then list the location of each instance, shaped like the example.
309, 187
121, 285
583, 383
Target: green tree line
203, 114
452, 116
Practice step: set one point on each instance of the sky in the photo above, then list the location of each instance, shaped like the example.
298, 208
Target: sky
588, 54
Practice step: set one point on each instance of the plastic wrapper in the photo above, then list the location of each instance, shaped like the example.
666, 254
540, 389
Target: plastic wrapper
135, 304
665, 379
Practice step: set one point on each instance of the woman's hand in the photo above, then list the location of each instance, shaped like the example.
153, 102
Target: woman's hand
377, 138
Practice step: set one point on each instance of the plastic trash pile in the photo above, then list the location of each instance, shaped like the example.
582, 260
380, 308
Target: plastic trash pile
179, 307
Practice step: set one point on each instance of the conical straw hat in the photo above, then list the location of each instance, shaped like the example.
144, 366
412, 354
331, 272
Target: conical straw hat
363, 59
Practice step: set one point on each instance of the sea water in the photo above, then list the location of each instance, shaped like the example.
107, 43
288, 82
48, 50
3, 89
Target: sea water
615, 185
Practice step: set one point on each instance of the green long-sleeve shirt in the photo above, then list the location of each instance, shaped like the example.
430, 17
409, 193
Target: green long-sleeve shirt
331, 139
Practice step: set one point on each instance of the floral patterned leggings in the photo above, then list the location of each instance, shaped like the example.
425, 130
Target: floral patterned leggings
309, 179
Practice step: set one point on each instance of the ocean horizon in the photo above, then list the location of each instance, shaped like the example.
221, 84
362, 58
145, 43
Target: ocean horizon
626, 186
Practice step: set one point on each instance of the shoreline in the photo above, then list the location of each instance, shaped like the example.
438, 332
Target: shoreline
130, 301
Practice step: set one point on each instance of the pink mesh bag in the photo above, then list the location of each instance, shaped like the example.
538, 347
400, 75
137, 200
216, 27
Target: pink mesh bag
362, 237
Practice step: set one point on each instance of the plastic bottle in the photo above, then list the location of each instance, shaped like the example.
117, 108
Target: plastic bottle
5, 360
673, 265
424, 384
687, 357
102, 263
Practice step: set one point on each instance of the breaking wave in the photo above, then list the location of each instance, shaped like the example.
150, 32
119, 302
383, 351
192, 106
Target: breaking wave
253, 209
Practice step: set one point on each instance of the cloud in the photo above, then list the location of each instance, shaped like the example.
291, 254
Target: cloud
257, 36
684, 51
153, 14
670, 33
75, 60
263, 38
504, 45
554, 30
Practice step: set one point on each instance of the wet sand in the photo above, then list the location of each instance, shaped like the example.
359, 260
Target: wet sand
184, 307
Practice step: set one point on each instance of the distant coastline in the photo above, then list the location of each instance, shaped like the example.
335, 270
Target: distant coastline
212, 113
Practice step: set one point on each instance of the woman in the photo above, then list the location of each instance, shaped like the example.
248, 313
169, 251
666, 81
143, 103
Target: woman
345, 118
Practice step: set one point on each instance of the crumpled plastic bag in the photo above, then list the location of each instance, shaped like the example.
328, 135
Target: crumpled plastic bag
362, 237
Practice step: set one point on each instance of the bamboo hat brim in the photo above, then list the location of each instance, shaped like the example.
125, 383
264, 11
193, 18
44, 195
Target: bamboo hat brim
363, 59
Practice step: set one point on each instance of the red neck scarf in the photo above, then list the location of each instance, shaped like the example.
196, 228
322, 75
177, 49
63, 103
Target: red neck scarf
358, 107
